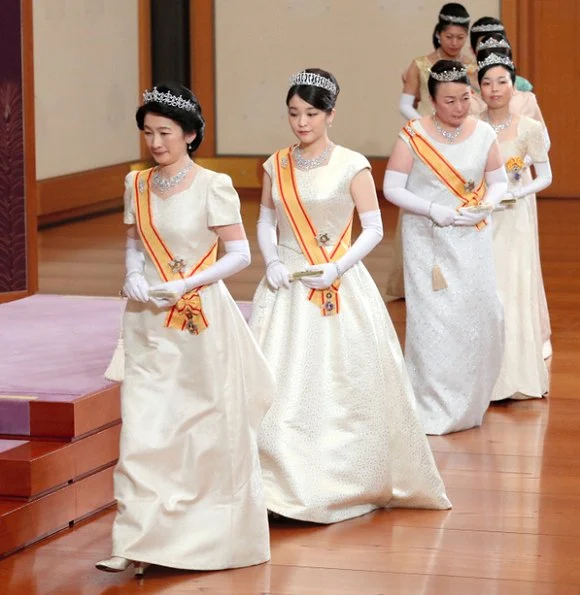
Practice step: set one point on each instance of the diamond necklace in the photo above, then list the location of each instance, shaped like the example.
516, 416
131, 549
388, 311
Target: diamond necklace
449, 136
165, 184
501, 126
307, 164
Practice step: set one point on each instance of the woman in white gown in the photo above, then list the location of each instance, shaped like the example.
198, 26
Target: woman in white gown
188, 481
449, 41
524, 372
437, 174
342, 437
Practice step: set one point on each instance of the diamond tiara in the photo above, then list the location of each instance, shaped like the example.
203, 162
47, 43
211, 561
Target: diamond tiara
492, 43
493, 59
453, 19
168, 98
448, 76
313, 80
491, 28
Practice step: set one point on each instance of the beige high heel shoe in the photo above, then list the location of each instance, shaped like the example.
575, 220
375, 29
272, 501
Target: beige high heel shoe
114, 564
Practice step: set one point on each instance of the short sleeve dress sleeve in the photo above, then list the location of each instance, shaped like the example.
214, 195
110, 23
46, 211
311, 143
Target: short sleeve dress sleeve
357, 163
269, 166
223, 202
536, 142
129, 198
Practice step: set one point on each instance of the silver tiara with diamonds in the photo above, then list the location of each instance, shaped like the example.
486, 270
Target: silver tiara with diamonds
313, 80
167, 98
496, 59
453, 19
448, 76
492, 43
491, 28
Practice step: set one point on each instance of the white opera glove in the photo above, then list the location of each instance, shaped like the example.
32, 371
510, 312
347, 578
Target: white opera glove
277, 274
542, 180
135, 286
370, 236
407, 106
395, 191
497, 185
236, 258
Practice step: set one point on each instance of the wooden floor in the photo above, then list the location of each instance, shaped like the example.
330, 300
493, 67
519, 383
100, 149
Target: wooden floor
514, 482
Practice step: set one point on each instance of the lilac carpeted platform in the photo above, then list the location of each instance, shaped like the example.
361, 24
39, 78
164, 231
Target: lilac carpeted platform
55, 348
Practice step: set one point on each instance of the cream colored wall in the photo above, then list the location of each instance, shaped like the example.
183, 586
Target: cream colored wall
86, 84
366, 44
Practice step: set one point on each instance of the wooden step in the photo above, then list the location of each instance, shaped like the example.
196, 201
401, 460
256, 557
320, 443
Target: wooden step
23, 523
31, 468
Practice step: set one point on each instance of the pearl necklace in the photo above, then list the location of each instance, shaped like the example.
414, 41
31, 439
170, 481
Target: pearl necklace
165, 184
446, 134
501, 126
307, 164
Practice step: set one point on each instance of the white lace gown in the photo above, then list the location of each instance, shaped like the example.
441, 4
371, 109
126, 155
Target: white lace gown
454, 340
342, 437
519, 276
188, 482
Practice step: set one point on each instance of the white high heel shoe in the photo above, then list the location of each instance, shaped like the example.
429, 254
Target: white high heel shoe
140, 568
114, 564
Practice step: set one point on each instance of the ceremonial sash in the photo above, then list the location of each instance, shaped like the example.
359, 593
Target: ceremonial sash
187, 313
310, 241
465, 190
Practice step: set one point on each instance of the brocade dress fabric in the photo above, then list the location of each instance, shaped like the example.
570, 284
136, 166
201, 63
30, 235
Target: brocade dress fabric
519, 275
455, 336
342, 437
188, 482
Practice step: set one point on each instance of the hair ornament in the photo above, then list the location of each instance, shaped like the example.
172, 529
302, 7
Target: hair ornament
313, 80
453, 19
492, 43
167, 98
490, 28
496, 60
448, 76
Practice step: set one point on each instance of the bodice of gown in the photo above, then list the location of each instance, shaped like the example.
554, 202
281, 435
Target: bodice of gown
184, 220
529, 140
324, 191
469, 157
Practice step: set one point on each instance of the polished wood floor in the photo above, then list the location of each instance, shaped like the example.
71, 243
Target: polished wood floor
514, 482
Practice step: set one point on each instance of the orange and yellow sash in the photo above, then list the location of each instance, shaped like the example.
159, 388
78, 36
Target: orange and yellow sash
306, 233
188, 313
465, 190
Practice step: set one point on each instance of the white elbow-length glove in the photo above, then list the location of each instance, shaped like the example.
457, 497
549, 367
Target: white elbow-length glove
135, 287
407, 106
395, 191
277, 274
370, 236
497, 182
542, 180
236, 257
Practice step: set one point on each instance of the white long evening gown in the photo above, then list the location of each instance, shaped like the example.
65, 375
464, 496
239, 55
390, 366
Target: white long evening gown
519, 276
342, 437
188, 482
454, 340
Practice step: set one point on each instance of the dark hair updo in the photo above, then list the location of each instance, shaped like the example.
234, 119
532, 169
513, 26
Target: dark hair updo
487, 25
503, 53
318, 97
189, 120
446, 66
452, 11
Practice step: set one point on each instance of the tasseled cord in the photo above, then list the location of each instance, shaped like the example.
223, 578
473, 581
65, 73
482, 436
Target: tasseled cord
116, 368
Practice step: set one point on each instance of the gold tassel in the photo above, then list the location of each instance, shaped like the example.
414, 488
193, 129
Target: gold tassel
438, 279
